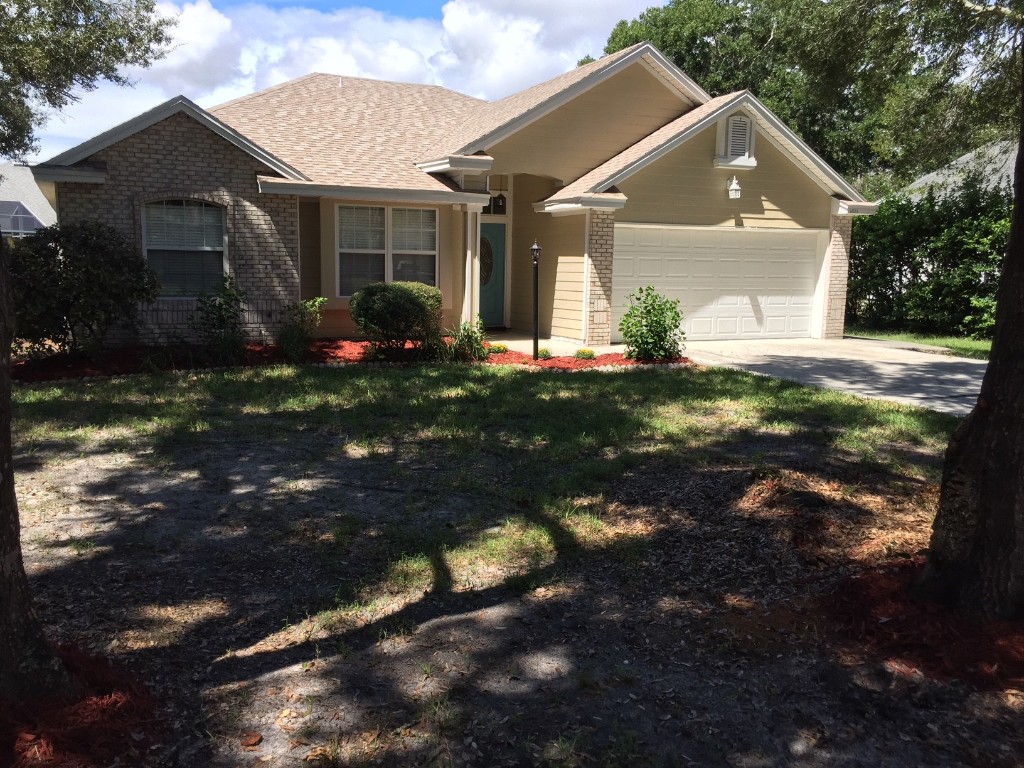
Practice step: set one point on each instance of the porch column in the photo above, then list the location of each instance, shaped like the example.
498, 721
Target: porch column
600, 248
838, 271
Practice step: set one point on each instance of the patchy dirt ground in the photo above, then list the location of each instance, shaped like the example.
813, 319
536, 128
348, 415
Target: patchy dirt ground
255, 586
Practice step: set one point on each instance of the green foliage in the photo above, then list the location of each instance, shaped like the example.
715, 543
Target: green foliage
497, 348
584, 354
881, 106
217, 323
467, 342
73, 282
931, 265
651, 327
301, 322
544, 354
392, 314
52, 50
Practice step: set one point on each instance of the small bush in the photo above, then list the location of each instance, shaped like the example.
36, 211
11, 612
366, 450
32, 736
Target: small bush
73, 282
544, 353
497, 348
301, 322
584, 354
217, 322
467, 342
651, 326
392, 314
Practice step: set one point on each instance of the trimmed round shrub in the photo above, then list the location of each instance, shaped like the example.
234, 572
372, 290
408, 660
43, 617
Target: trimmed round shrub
651, 327
392, 314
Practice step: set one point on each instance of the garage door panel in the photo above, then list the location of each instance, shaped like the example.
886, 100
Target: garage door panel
730, 284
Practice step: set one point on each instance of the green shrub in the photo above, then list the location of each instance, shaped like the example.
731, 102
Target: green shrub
584, 354
651, 327
217, 323
497, 348
391, 314
931, 265
301, 322
73, 282
467, 342
544, 354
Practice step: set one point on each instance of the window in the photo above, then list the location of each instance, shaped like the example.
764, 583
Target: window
378, 244
185, 246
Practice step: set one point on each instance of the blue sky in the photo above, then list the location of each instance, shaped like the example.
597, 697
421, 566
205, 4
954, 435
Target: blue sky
224, 49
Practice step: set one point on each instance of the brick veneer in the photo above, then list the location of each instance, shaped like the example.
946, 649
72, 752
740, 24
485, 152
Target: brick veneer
838, 259
600, 247
179, 158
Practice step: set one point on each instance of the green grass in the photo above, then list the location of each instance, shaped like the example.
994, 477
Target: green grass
977, 349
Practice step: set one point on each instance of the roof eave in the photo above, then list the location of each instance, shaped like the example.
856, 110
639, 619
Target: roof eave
271, 185
472, 164
161, 112
581, 204
80, 175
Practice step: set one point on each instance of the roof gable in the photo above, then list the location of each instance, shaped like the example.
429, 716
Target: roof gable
179, 104
619, 168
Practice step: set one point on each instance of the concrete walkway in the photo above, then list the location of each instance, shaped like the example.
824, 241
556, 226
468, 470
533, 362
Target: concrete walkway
883, 370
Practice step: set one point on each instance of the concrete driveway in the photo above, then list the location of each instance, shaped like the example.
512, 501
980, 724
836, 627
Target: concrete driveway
879, 369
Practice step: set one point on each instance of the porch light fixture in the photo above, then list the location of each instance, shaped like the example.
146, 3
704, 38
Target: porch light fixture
498, 203
535, 252
734, 189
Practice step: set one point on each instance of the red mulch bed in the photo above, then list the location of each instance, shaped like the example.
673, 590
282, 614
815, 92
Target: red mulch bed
129, 360
875, 610
113, 720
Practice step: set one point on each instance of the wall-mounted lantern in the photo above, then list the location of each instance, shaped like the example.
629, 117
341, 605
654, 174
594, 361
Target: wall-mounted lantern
734, 188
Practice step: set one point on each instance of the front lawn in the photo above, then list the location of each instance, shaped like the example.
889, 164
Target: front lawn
977, 349
482, 565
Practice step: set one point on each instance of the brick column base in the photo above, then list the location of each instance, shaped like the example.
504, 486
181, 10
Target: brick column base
838, 260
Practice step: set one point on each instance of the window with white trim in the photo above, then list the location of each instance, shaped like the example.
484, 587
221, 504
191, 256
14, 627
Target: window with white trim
184, 242
380, 244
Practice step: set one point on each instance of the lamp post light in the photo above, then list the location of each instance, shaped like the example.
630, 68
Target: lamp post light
535, 251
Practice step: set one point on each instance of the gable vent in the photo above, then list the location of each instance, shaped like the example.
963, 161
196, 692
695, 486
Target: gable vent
738, 136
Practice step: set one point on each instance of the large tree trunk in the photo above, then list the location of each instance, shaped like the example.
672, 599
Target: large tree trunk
976, 559
28, 665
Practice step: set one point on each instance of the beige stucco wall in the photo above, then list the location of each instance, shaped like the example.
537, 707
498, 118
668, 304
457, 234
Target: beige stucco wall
591, 128
684, 187
561, 265
450, 270
179, 158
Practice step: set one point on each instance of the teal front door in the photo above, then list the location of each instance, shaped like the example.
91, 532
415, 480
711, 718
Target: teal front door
492, 275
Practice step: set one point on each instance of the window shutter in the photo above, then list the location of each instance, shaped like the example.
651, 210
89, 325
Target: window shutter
738, 136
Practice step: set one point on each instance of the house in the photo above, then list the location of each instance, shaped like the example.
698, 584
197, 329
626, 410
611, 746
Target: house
625, 172
993, 164
24, 207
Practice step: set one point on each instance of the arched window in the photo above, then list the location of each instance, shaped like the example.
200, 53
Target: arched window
185, 245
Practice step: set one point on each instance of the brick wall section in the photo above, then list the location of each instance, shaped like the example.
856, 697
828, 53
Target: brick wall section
838, 272
600, 247
179, 158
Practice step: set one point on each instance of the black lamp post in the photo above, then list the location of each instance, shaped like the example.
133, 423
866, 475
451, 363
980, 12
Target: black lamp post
535, 250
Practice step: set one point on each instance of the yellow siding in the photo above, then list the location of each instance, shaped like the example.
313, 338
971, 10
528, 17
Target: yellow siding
561, 263
685, 188
309, 249
451, 260
590, 129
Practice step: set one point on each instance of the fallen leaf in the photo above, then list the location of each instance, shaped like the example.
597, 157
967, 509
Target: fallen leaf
252, 738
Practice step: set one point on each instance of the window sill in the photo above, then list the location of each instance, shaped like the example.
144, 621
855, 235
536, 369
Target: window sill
735, 162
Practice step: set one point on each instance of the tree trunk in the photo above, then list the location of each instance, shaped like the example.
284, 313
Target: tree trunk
28, 665
976, 559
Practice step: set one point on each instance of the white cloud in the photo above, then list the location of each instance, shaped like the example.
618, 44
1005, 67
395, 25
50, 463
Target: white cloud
487, 48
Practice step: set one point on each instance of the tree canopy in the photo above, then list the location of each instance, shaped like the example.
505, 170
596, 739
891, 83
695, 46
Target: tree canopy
874, 87
51, 49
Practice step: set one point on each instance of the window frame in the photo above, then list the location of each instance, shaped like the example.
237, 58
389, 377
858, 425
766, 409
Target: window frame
723, 158
389, 249
146, 247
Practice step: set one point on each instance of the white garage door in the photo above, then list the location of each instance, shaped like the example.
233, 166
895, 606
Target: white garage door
733, 284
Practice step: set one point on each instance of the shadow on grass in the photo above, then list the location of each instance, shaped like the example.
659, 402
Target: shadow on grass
342, 530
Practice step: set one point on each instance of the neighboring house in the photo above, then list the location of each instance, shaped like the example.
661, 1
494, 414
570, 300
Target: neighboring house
992, 163
23, 206
624, 170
